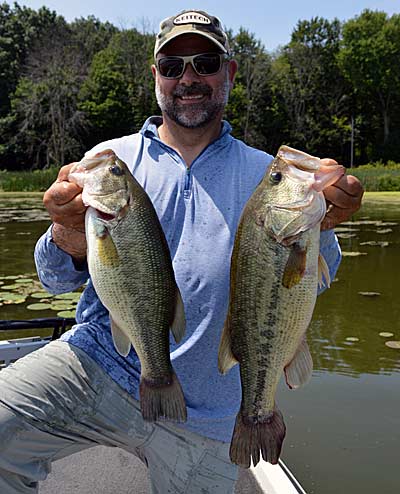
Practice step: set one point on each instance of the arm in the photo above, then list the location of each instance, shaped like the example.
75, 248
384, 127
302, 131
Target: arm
60, 254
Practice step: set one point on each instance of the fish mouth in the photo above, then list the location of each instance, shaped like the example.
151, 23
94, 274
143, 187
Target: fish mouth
104, 216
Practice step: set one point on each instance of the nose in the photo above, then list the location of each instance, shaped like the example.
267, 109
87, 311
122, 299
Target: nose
189, 75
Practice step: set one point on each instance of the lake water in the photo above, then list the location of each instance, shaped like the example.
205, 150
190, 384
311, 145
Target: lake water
343, 428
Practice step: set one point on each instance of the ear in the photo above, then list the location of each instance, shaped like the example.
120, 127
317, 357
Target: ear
153, 70
233, 67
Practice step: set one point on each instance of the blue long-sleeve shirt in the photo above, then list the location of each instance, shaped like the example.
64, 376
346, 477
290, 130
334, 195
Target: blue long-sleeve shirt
199, 209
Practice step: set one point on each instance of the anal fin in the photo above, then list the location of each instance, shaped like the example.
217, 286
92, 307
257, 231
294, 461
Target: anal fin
178, 325
299, 369
324, 278
121, 342
226, 359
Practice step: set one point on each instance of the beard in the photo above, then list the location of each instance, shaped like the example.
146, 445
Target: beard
194, 115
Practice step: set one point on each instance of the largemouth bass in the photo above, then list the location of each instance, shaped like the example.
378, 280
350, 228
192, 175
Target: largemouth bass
131, 270
275, 271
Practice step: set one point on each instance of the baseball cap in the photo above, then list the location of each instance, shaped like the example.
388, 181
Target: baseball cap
192, 22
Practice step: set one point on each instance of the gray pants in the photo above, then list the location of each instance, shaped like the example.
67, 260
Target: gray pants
57, 401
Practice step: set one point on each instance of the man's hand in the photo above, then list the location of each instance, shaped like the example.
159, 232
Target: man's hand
63, 201
343, 198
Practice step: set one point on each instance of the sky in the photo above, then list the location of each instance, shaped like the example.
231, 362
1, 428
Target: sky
272, 22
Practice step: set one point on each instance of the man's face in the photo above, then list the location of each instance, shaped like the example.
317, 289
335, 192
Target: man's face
193, 101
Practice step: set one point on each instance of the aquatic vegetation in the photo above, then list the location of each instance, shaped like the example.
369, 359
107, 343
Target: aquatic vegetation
393, 344
375, 243
26, 289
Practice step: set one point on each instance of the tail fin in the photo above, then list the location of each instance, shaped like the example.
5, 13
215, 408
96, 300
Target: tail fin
250, 437
162, 400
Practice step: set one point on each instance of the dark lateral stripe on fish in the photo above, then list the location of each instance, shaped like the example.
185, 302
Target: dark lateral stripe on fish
263, 358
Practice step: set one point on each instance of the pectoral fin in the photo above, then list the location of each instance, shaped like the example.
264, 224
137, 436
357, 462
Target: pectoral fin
299, 369
226, 359
295, 266
107, 251
324, 277
178, 325
121, 341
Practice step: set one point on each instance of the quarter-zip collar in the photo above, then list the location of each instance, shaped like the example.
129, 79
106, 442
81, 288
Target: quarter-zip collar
150, 130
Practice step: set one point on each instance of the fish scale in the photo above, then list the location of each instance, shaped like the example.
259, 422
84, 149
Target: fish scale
273, 288
131, 269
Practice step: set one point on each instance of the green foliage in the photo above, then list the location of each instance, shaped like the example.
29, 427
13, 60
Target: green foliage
377, 177
253, 102
64, 87
369, 59
36, 181
118, 94
313, 90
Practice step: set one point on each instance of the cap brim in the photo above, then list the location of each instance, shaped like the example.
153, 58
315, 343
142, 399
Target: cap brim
188, 30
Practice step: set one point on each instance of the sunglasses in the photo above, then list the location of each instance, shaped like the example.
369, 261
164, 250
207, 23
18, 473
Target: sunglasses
204, 64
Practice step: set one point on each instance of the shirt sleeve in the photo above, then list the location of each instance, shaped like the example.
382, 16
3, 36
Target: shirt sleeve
55, 268
330, 250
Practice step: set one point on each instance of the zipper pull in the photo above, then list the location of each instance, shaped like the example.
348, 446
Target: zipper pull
186, 191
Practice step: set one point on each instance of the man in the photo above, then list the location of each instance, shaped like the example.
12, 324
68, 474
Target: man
79, 392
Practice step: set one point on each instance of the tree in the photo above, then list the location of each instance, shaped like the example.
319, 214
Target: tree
47, 126
251, 105
118, 94
369, 58
19, 28
313, 90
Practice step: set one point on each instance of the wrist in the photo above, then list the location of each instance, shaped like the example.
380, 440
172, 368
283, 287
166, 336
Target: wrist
71, 241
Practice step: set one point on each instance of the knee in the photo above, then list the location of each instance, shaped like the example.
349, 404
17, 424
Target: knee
10, 426
18, 462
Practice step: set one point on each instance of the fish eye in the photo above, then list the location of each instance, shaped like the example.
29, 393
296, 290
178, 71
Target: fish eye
116, 170
275, 178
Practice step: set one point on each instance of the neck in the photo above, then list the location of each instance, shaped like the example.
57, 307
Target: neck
189, 143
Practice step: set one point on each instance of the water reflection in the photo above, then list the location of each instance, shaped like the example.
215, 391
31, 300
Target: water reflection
341, 312
344, 312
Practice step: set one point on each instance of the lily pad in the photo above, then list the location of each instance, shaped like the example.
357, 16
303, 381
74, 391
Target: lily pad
66, 313
375, 243
42, 295
393, 344
16, 301
38, 306
62, 307
72, 296
24, 280
342, 229
353, 254
369, 294
8, 296
384, 230
346, 235
384, 334
11, 287
352, 338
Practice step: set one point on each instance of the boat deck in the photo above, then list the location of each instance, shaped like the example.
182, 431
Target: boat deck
105, 470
